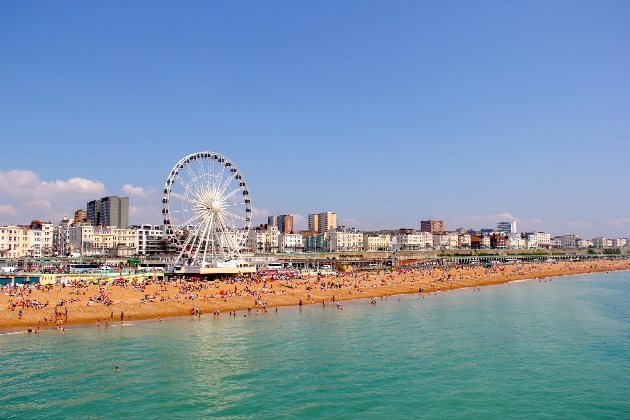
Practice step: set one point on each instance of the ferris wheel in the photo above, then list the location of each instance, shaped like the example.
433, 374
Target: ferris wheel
207, 209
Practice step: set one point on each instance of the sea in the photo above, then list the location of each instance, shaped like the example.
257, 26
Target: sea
554, 348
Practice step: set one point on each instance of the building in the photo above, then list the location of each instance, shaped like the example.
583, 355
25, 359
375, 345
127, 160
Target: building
322, 222
445, 240
327, 221
313, 222
410, 240
263, 239
377, 242
569, 241
344, 240
81, 240
537, 240
109, 211
151, 240
61, 244
40, 239
284, 222
115, 242
507, 227
314, 243
600, 242
463, 241
13, 241
81, 217
432, 226
290, 242
516, 241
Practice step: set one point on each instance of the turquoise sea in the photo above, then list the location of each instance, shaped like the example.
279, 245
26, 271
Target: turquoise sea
554, 349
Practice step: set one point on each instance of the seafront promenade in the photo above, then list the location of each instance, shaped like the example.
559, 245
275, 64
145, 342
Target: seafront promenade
100, 305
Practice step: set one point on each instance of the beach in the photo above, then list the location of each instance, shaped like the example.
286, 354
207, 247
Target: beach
58, 306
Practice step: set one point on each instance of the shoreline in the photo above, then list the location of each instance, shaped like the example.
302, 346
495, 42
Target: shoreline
178, 299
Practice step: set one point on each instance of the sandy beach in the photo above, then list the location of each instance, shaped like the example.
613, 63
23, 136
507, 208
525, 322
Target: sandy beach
59, 307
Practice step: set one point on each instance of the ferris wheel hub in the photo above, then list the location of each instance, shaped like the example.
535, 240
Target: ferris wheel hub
216, 207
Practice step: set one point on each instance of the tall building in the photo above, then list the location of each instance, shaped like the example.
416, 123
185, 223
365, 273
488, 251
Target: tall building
285, 223
109, 211
327, 221
432, 226
507, 227
93, 211
313, 222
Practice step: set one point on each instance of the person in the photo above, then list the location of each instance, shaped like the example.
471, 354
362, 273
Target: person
122, 316
30, 329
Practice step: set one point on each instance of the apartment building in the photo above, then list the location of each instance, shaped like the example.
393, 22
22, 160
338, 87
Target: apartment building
432, 226
109, 211
344, 240
290, 242
377, 242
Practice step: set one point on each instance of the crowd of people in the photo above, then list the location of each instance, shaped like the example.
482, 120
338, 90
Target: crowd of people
151, 298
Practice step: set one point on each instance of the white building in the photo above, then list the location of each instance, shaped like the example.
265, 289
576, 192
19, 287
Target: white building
463, 241
445, 240
405, 240
537, 240
150, 239
377, 242
13, 241
619, 243
569, 241
507, 227
61, 240
585, 243
81, 240
290, 242
344, 240
40, 239
263, 239
516, 241
119, 242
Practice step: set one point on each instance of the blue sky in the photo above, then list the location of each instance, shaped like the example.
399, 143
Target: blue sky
385, 112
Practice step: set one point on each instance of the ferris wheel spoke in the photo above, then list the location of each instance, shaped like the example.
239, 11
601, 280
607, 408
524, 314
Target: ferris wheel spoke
184, 198
233, 216
228, 236
191, 174
189, 221
231, 193
199, 238
187, 187
208, 238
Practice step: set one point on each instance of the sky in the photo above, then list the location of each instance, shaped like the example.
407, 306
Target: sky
385, 112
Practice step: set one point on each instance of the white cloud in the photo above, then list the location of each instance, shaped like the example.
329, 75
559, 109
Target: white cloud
260, 213
138, 192
28, 197
7, 210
